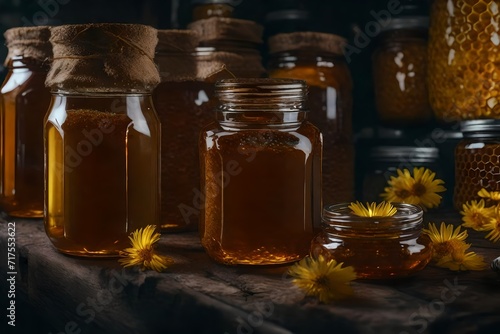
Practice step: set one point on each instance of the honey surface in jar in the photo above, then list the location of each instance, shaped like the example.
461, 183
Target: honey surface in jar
258, 209
464, 41
106, 163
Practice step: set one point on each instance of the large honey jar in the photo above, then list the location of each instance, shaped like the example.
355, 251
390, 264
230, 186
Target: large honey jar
477, 163
24, 100
400, 72
260, 173
102, 138
317, 58
464, 51
184, 102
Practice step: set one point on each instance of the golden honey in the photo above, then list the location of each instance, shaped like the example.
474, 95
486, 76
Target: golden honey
377, 247
400, 73
464, 51
477, 160
261, 170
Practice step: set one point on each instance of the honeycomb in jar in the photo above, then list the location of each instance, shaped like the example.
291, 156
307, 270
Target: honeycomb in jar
477, 166
464, 59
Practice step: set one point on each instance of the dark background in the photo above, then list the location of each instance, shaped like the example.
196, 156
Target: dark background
335, 16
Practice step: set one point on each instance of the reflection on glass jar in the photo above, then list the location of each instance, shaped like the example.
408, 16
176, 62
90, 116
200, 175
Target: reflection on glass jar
261, 174
377, 247
400, 72
464, 52
477, 160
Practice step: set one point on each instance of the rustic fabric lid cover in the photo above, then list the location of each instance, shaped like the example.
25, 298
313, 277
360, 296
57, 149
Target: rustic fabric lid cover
175, 55
217, 65
224, 28
315, 41
29, 42
103, 58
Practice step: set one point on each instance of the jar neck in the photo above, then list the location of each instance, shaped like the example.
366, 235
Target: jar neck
278, 103
339, 221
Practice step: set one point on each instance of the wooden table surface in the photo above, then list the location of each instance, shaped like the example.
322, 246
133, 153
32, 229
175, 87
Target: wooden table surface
61, 294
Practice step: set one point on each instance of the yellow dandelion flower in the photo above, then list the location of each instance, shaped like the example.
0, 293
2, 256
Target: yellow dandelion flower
460, 260
476, 216
324, 279
383, 209
142, 252
419, 189
492, 195
446, 240
494, 226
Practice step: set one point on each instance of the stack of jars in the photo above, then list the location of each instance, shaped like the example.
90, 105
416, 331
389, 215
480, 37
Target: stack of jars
463, 85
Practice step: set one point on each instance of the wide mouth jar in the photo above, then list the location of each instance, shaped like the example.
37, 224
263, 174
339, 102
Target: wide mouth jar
377, 247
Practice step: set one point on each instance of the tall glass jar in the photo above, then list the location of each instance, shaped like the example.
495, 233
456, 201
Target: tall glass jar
317, 58
261, 170
184, 102
102, 138
377, 247
24, 102
464, 52
477, 160
400, 72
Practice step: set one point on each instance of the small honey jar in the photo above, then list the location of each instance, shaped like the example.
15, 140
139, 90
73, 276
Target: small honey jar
477, 162
377, 247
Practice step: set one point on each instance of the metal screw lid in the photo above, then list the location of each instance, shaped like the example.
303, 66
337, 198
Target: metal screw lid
407, 22
409, 153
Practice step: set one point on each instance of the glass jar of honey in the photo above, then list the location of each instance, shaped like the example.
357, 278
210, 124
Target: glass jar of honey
317, 58
377, 247
102, 138
260, 173
464, 52
400, 72
204, 9
477, 160
184, 102
24, 102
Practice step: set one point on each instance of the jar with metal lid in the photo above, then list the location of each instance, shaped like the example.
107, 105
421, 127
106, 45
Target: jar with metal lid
386, 160
477, 160
228, 46
464, 50
204, 9
377, 247
261, 173
184, 101
24, 102
317, 58
400, 71
102, 138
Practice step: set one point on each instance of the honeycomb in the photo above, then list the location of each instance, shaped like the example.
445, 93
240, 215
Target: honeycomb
464, 59
400, 72
477, 166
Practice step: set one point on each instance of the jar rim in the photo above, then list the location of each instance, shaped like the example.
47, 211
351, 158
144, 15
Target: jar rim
340, 216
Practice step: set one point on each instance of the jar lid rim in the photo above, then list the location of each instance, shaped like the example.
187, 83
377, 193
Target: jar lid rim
398, 151
480, 125
407, 22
